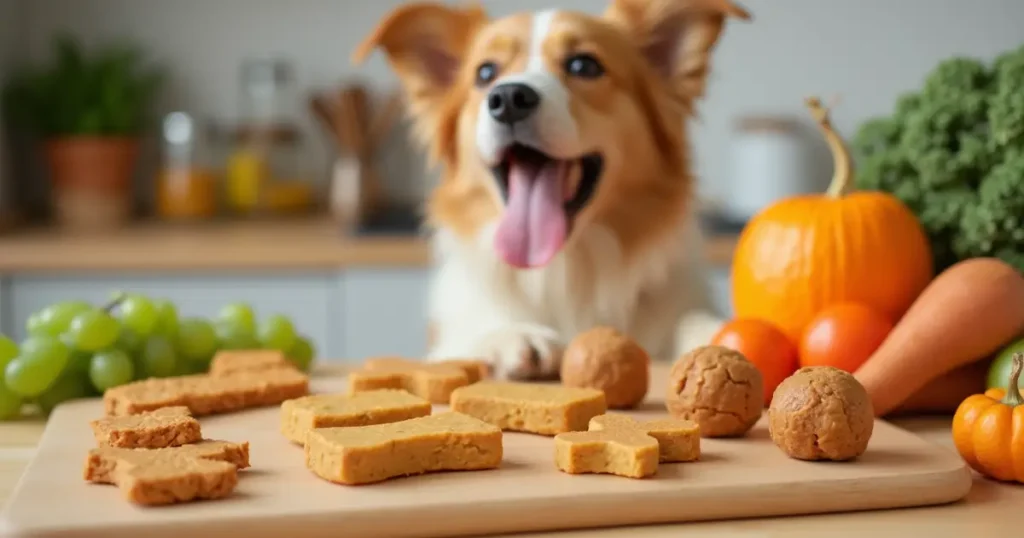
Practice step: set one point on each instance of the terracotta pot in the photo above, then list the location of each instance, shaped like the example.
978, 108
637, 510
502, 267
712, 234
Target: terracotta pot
92, 180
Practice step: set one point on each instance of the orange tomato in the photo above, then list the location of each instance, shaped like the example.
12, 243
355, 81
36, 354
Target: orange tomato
843, 335
764, 345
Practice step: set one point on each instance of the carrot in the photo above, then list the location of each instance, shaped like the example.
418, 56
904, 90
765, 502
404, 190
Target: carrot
965, 314
943, 394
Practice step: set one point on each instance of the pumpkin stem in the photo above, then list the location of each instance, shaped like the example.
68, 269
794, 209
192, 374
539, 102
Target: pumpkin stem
843, 173
1013, 396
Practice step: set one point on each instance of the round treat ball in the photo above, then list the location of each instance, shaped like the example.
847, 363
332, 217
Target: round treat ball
718, 388
821, 413
604, 358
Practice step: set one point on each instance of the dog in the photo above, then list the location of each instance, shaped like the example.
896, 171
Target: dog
566, 199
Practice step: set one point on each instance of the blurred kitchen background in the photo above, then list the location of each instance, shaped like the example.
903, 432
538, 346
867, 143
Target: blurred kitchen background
268, 169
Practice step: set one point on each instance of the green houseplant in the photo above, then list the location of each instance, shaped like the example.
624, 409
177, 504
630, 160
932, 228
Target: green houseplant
88, 111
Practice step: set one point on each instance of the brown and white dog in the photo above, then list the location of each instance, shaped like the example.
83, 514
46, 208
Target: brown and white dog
566, 200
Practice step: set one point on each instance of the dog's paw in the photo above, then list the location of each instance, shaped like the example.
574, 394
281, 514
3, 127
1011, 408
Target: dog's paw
522, 352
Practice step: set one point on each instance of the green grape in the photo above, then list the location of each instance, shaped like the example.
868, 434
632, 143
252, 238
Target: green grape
240, 315
301, 353
78, 363
231, 336
110, 368
67, 387
55, 319
94, 330
157, 358
138, 313
8, 350
10, 403
277, 332
166, 318
52, 353
28, 378
129, 341
197, 341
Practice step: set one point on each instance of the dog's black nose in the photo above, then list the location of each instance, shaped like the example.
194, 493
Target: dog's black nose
512, 102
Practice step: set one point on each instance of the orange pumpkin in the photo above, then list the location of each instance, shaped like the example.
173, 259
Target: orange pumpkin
988, 429
806, 252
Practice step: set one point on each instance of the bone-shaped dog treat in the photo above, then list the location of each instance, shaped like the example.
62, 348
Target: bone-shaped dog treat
300, 415
207, 394
678, 440
228, 362
433, 381
167, 427
204, 470
530, 407
366, 454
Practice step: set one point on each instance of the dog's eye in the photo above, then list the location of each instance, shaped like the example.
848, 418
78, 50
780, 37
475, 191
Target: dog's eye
584, 66
486, 73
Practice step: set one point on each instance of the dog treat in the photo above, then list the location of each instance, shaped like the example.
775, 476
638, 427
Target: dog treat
475, 370
337, 410
625, 452
678, 440
206, 394
605, 359
229, 362
204, 470
433, 381
821, 413
167, 427
366, 454
717, 388
530, 407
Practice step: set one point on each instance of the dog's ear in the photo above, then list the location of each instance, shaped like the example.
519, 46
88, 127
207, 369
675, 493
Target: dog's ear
676, 36
425, 44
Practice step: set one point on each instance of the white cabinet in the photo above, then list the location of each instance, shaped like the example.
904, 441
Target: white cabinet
384, 312
308, 299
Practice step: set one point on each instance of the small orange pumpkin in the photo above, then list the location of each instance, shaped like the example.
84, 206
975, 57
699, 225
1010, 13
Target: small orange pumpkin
806, 252
988, 429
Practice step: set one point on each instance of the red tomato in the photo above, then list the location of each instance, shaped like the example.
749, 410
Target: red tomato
843, 335
764, 345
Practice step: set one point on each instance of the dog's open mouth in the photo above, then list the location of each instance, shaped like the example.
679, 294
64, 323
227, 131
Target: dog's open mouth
542, 197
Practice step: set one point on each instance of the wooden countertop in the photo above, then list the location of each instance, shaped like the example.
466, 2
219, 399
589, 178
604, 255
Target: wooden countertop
991, 509
299, 245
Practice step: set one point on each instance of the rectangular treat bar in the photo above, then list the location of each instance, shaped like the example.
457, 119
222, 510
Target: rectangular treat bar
206, 394
229, 362
433, 382
530, 407
300, 415
167, 427
367, 454
204, 470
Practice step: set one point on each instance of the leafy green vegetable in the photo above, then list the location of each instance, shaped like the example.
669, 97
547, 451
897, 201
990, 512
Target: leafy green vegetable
954, 153
107, 93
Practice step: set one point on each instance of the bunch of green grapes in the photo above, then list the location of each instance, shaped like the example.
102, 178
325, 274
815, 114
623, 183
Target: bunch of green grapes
75, 350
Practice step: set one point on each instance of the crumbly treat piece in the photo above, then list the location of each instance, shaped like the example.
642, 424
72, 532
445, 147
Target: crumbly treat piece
300, 415
229, 362
206, 394
204, 470
717, 388
433, 381
821, 413
678, 440
366, 454
530, 407
606, 359
624, 452
475, 370
167, 427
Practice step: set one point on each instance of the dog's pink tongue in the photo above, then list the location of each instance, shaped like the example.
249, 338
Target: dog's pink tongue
533, 228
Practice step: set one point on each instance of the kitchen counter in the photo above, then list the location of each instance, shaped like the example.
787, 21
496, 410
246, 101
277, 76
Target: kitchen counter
301, 245
991, 509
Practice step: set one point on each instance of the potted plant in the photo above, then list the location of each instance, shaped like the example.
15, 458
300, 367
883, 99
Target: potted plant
88, 112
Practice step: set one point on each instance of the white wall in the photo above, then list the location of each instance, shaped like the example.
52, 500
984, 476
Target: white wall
866, 50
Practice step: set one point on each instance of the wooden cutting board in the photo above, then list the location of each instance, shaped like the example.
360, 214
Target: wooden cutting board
278, 496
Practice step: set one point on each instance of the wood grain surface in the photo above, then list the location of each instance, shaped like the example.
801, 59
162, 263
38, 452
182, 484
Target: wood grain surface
279, 496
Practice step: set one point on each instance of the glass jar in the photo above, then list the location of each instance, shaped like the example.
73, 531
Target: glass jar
186, 189
265, 172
